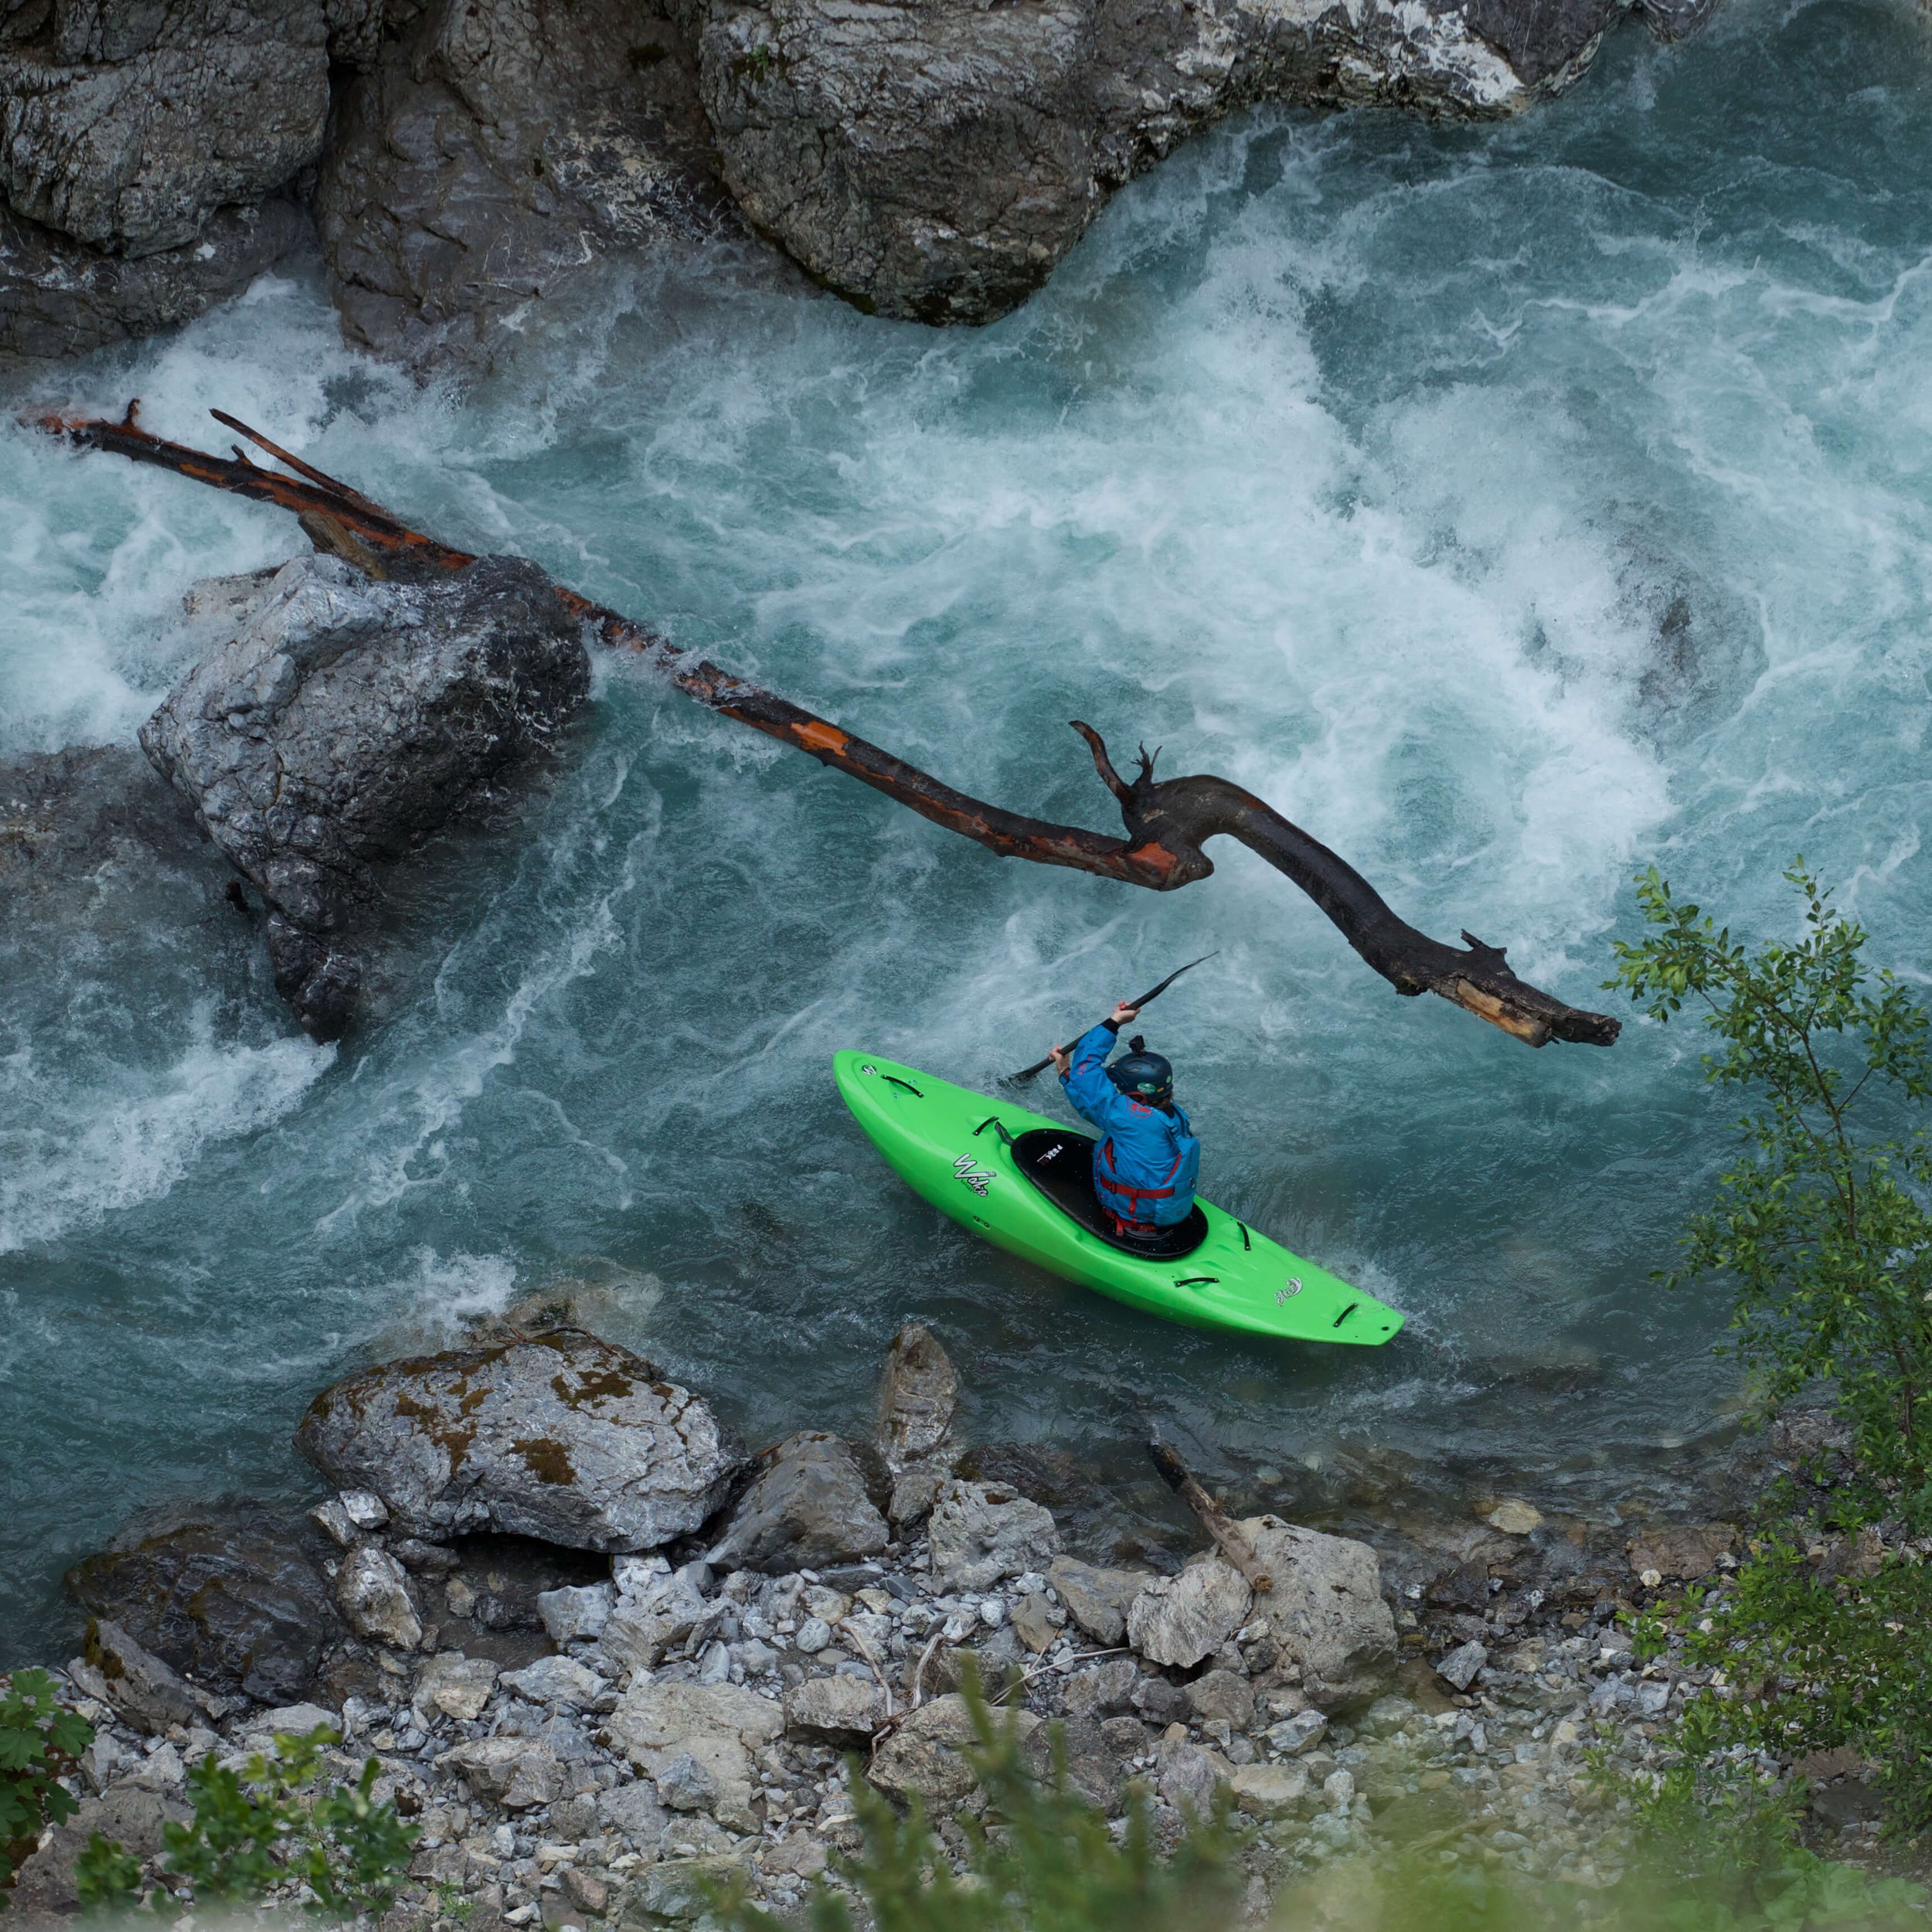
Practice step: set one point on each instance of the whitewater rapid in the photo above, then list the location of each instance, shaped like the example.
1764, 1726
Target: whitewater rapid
1511, 506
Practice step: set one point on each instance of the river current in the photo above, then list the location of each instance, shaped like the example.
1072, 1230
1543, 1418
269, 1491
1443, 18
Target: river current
1511, 506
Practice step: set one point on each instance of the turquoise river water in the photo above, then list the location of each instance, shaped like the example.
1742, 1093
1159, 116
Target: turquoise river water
1513, 506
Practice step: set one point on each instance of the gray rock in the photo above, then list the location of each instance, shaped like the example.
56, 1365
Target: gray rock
935, 161
498, 149
657, 1608
685, 1785
1460, 1667
981, 1533
913, 1490
564, 1437
126, 127
1326, 1611
453, 1686
1266, 1791
132, 1815
1221, 1695
807, 1509
1102, 1690
140, 1686
559, 1681
577, 1612
718, 1725
349, 720
1185, 1776
678, 1892
516, 1773
60, 297
633, 1812
1093, 1767
1097, 1600
922, 1758
230, 1594
1177, 1620
917, 1393
838, 1710
1298, 1732
372, 1593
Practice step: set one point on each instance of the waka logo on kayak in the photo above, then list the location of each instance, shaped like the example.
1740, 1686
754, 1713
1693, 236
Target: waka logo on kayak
1290, 1292
964, 1168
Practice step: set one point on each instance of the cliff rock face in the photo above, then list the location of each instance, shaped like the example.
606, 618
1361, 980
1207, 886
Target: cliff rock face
139, 140
346, 721
935, 159
497, 149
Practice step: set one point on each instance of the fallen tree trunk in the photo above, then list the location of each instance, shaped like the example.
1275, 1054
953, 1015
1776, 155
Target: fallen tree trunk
1167, 821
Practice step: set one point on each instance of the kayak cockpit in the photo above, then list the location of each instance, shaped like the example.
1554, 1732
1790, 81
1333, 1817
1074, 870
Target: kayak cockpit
1060, 1164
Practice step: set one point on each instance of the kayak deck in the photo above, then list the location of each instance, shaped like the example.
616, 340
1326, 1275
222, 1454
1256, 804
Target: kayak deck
954, 1148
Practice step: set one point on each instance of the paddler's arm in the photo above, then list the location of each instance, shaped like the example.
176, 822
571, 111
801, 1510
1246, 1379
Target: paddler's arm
1082, 1067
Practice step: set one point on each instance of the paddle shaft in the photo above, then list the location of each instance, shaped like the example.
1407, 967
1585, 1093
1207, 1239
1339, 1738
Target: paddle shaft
1040, 1067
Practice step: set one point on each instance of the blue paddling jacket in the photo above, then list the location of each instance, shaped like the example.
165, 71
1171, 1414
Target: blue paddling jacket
1149, 1159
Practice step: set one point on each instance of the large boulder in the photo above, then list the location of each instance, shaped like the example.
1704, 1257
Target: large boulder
346, 721
127, 127
807, 1509
564, 1437
1326, 1611
230, 1594
497, 149
934, 160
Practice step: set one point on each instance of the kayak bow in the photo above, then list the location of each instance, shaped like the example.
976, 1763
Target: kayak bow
1018, 1179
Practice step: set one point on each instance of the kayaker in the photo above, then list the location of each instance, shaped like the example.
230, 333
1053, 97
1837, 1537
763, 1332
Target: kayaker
1148, 1160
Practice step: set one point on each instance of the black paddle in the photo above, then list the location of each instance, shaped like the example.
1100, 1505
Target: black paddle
1040, 1067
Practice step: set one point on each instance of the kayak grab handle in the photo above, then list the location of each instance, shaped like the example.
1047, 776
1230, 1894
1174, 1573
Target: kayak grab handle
1345, 1315
907, 1085
992, 1121
1197, 1281
1246, 1245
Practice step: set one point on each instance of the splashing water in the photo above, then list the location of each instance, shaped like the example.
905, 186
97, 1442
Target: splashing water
1509, 506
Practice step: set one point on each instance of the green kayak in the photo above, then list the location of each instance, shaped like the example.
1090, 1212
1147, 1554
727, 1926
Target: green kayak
1025, 1184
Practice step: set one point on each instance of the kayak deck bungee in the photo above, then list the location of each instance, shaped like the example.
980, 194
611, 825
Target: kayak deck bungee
966, 1153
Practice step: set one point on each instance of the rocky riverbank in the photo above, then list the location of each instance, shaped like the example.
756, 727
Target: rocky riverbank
462, 163
606, 1659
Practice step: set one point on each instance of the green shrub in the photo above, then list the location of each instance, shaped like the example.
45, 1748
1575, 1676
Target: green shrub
39, 1740
262, 1826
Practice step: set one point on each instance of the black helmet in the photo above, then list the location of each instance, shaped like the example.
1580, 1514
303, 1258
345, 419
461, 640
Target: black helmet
1143, 1076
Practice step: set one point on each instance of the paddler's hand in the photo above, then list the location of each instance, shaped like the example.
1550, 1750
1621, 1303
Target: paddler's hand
1062, 1059
1122, 1014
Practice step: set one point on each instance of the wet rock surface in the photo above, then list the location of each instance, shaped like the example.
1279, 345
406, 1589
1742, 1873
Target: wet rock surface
60, 297
564, 1437
806, 1508
231, 1595
497, 149
344, 723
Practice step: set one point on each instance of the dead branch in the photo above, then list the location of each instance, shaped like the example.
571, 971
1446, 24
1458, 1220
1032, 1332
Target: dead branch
1214, 1519
1166, 821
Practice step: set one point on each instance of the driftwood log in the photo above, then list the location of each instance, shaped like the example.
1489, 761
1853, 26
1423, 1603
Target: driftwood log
1166, 821
1228, 1536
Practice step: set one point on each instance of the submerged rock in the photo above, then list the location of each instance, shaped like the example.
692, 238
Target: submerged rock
230, 1594
345, 721
564, 1437
917, 1393
808, 1509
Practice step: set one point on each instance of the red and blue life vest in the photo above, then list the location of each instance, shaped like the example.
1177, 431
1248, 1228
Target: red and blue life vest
1148, 1161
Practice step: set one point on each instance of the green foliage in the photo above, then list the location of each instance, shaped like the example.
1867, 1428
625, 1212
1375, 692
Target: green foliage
1821, 1224
263, 1825
39, 1740
1042, 1859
